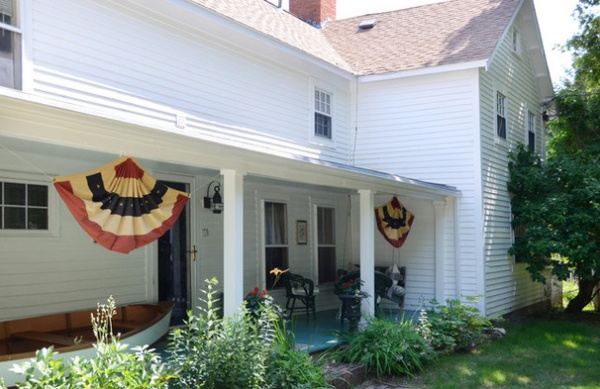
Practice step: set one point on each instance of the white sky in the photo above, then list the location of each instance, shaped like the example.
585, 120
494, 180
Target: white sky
554, 16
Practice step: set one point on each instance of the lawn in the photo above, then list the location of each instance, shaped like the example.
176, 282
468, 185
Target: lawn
553, 352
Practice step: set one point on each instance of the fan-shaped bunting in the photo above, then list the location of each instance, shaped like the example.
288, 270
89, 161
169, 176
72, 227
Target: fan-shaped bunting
394, 222
120, 205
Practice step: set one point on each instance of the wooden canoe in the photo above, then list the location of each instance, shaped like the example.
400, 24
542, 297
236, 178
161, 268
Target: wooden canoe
71, 333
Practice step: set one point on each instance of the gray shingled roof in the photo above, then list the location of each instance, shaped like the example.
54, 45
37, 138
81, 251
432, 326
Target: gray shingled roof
451, 32
444, 33
269, 20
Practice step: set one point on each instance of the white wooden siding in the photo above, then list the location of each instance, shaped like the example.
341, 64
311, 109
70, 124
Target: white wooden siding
104, 56
508, 287
426, 128
66, 272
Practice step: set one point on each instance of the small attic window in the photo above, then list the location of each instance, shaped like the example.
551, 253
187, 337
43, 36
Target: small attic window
367, 24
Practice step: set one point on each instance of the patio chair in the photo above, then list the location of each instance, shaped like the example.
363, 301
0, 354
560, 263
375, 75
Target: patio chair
302, 289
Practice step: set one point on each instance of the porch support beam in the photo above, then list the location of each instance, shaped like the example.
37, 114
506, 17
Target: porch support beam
233, 241
440, 208
367, 249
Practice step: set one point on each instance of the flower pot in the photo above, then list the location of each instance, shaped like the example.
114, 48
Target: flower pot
350, 309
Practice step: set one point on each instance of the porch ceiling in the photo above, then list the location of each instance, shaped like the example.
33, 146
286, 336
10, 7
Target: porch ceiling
36, 125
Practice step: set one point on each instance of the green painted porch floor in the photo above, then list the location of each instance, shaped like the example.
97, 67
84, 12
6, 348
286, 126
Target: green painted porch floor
320, 334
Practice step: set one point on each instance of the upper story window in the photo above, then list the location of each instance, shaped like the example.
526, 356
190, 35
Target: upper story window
531, 131
323, 126
10, 45
516, 41
500, 115
23, 206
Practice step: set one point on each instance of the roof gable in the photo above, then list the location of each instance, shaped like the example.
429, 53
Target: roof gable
456, 31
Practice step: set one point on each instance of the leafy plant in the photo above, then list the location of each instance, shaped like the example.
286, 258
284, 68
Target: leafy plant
231, 352
387, 347
452, 327
289, 367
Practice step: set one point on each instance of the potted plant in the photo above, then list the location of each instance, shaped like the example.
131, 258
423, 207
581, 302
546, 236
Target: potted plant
351, 295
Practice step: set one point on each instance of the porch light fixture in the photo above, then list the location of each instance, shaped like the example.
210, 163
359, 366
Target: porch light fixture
216, 202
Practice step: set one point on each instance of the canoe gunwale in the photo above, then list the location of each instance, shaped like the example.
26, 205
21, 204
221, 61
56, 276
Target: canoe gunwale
128, 329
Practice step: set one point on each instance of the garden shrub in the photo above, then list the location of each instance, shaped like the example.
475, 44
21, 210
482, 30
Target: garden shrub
289, 367
453, 327
224, 353
386, 347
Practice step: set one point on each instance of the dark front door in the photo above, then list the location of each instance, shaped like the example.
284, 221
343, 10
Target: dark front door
173, 263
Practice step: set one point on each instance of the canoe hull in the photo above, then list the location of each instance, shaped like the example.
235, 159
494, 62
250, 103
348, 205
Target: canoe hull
142, 335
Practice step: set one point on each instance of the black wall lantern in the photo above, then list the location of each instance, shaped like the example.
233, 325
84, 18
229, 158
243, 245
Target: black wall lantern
216, 202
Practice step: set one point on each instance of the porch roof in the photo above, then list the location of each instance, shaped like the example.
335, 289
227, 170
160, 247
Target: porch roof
91, 134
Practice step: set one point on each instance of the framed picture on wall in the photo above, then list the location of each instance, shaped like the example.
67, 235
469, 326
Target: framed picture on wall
301, 232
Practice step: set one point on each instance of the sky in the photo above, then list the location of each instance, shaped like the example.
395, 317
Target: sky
554, 16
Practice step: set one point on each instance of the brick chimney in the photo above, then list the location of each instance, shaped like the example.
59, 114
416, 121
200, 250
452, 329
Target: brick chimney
315, 12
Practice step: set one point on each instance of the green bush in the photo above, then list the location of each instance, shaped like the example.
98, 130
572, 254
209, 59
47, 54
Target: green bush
386, 347
289, 367
224, 353
453, 327
113, 366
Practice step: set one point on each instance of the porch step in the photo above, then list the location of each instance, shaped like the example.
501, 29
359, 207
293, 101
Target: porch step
344, 376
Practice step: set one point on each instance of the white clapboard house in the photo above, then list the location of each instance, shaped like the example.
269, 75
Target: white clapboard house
302, 122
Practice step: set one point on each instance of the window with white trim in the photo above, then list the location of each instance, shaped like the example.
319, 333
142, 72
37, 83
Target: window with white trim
531, 131
24, 206
323, 119
10, 45
500, 115
276, 240
516, 41
326, 249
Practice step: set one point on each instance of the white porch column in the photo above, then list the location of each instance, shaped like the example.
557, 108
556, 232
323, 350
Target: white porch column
440, 249
367, 249
233, 241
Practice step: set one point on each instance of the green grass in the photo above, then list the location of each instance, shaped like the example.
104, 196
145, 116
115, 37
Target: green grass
534, 354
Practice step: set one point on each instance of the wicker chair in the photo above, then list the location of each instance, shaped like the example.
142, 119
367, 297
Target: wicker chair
301, 289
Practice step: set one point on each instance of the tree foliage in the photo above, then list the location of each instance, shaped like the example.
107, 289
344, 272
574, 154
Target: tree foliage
557, 208
586, 44
556, 204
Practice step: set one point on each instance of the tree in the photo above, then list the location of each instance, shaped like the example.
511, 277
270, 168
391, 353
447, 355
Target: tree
556, 204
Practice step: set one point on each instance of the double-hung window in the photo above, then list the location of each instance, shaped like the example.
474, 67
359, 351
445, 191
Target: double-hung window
326, 244
23, 206
531, 132
276, 240
500, 115
323, 122
10, 45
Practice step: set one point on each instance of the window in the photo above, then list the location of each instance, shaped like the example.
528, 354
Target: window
276, 240
23, 206
531, 132
500, 115
10, 45
326, 244
516, 41
323, 114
